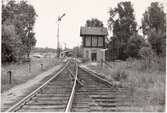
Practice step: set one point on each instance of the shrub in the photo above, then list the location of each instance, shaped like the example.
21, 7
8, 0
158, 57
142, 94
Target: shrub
124, 75
130, 61
147, 54
135, 43
151, 60
117, 76
159, 63
120, 75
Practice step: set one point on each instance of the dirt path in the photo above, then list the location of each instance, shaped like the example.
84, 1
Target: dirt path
18, 91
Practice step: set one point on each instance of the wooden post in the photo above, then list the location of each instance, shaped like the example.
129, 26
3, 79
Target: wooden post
10, 76
29, 65
42, 67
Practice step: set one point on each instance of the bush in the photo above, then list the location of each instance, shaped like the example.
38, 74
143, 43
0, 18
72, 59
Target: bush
135, 43
147, 54
130, 61
159, 63
151, 60
120, 75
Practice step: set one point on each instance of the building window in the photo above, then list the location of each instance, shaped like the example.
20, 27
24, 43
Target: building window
88, 41
94, 41
100, 41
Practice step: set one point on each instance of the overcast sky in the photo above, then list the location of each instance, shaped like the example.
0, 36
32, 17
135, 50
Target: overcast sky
77, 12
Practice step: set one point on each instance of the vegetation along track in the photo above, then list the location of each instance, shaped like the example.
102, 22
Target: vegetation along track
78, 90
97, 94
53, 95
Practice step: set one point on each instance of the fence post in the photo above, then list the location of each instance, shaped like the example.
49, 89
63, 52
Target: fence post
10, 76
41, 66
29, 65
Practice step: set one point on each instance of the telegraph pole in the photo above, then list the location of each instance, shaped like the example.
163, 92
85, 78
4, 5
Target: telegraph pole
58, 46
58, 43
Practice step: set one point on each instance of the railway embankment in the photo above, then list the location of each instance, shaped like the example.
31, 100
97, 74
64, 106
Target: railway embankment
21, 73
147, 86
112, 86
16, 93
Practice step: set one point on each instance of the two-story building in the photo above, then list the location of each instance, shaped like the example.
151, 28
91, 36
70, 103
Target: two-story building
94, 42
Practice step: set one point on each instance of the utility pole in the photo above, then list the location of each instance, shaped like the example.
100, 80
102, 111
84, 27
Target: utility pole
29, 49
29, 43
58, 43
58, 46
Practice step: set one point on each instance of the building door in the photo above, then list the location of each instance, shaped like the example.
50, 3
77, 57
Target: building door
94, 56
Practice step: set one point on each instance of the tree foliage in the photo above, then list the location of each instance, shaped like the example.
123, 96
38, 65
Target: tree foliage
122, 23
157, 39
135, 43
154, 26
94, 22
17, 30
154, 17
113, 51
9, 43
122, 19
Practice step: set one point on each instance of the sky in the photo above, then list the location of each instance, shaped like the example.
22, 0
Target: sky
77, 12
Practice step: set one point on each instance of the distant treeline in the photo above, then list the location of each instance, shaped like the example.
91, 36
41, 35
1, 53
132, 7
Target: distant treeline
43, 50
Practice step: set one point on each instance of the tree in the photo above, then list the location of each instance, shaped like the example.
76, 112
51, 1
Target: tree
154, 18
154, 26
94, 23
157, 39
9, 43
113, 51
122, 23
21, 16
135, 43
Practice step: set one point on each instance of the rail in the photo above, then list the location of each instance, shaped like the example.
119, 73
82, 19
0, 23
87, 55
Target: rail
95, 75
69, 105
35, 92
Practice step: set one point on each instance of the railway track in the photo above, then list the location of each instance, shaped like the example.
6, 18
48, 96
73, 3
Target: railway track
99, 95
74, 89
53, 95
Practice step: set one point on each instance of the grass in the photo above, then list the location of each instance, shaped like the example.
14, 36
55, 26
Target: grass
147, 86
20, 72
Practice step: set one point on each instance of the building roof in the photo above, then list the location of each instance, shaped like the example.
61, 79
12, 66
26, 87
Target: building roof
93, 31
